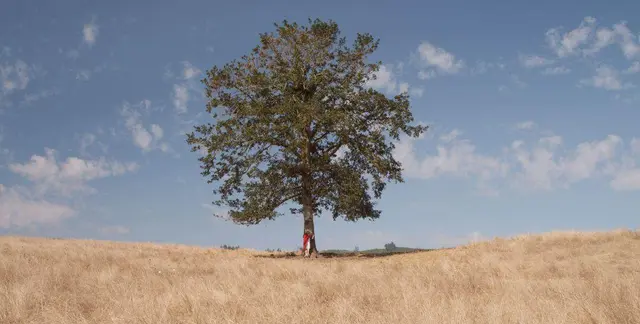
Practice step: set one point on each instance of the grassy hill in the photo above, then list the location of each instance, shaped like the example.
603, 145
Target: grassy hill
550, 278
397, 250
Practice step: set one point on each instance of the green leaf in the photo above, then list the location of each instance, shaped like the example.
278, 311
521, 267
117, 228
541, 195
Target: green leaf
282, 113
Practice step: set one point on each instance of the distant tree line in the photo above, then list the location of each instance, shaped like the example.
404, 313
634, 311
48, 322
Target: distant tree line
390, 247
229, 247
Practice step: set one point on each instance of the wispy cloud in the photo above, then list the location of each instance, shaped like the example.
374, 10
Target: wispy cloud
557, 70
532, 61
5, 153
90, 33
54, 184
145, 139
435, 61
68, 177
606, 78
20, 209
569, 43
180, 98
387, 81
627, 40
89, 144
588, 39
541, 165
15, 76
83, 75
181, 90
525, 125
482, 67
31, 98
633, 69
455, 157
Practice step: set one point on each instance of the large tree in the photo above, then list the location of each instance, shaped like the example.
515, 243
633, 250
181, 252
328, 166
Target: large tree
294, 121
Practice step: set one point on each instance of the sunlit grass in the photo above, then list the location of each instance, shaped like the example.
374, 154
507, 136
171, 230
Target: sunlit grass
551, 278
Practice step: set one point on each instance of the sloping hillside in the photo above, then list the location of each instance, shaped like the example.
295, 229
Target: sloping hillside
551, 278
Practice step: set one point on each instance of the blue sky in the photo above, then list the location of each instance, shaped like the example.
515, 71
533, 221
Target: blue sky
534, 108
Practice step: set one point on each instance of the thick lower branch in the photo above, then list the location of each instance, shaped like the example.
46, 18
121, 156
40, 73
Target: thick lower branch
287, 198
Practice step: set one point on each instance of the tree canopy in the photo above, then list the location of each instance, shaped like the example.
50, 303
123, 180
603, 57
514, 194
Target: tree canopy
294, 121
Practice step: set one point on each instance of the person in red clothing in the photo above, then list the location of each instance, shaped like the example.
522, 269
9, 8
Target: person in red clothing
306, 242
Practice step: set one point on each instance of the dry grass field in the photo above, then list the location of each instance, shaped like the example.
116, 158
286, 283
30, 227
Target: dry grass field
551, 278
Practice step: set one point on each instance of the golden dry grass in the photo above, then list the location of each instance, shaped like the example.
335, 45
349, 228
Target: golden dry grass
551, 278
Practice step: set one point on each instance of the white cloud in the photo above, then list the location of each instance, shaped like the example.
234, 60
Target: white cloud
181, 90
542, 168
635, 146
626, 180
20, 209
453, 157
545, 164
43, 94
403, 87
73, 54
482, 67
556, 70
603, 38
70, 176
386, 81
569, 43
157, 131
189, 71
15, 76
627, 176
416, 92
90, 33
517, 81
339, 154
427, 74
451, 136
86, 141
180, 98
587, 156
532, 61
5, 153
606, 78
142, 138
589, 40
83, 75
54, 184
627, 40
437, 60
526, 125
634, 68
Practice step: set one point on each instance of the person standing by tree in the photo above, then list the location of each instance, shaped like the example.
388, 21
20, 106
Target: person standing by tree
306, 242
295, 121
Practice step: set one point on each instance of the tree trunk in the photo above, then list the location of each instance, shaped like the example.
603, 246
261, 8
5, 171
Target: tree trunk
307, 212
309, 225
307, 194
